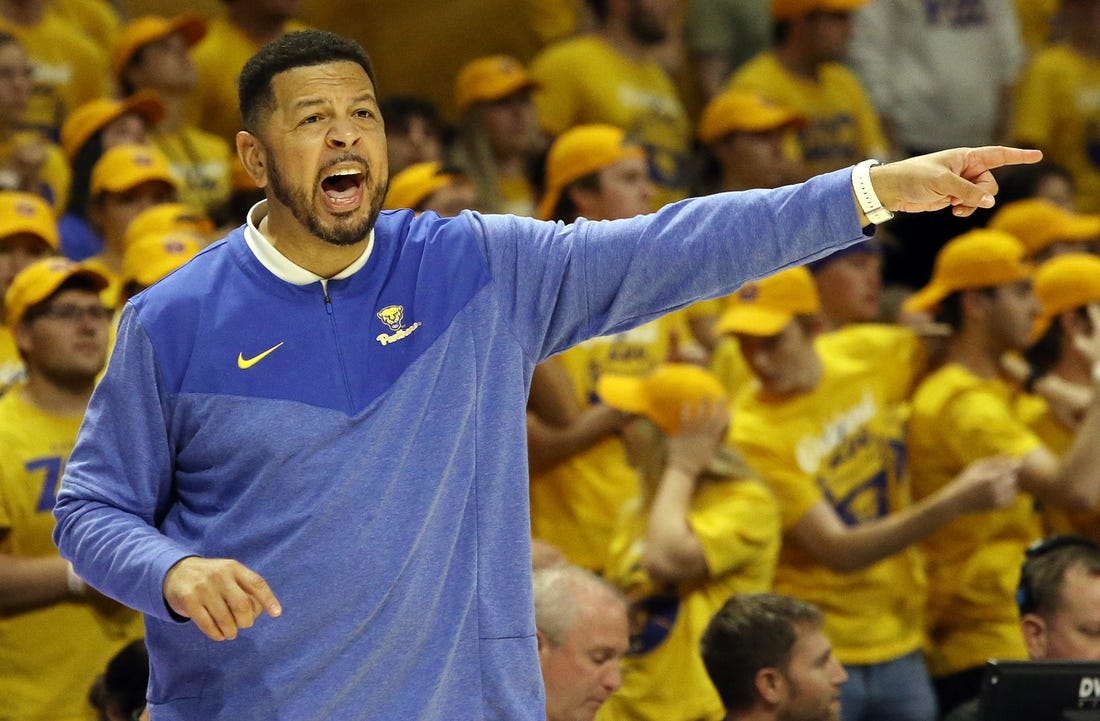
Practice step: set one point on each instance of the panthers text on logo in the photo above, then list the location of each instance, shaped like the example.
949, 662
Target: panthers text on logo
394, 318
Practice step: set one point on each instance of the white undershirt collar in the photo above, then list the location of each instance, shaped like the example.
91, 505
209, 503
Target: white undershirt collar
281, 266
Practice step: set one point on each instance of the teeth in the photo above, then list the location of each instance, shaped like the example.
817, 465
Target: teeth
347, 171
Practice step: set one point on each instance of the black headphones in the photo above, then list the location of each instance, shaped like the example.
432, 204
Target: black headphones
1025, 594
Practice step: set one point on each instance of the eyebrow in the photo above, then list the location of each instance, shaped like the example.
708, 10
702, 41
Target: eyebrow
312, 101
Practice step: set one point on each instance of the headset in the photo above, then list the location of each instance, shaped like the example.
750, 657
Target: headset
1025, 593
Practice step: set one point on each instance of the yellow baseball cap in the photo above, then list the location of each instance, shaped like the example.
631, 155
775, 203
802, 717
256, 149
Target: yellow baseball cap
580, 151
661, 394
490, 78
168, 218
41, 279
764, 308
412, 185
795, 9
738, 111
1039, 223
27, 213
151, 257
1064, 283
138, 33
981, 258
92, 116
126, 166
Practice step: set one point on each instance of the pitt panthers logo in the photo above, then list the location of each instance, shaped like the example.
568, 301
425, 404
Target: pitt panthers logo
394, 318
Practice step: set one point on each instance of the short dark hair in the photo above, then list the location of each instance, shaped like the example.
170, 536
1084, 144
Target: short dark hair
300, 49
565, 209
1044, 571
752, 631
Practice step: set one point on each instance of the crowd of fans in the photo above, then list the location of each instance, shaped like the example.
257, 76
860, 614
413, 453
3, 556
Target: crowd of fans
881, 433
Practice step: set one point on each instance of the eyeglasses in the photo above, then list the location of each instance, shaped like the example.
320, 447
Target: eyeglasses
73, 313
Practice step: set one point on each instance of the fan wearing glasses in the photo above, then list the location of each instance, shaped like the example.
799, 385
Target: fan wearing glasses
56, 633
1059, 601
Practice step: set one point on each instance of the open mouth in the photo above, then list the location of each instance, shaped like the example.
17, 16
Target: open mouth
343, 188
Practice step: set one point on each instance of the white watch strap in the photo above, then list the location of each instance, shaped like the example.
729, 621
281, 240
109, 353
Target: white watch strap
866, 195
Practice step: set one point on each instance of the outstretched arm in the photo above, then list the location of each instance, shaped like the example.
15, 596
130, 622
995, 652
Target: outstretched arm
984, 485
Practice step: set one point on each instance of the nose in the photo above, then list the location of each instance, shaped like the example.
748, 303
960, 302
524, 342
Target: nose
613, 677
343, 133
841, 675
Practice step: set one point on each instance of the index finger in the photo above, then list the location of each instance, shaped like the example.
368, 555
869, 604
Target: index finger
974, 185
256, 587
979, 160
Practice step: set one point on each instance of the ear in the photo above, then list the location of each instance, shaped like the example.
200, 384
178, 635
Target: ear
771, 685
23, 340
1034, 630
253, 157
584, 199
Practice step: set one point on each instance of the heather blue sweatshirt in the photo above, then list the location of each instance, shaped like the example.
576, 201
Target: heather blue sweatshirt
372, 466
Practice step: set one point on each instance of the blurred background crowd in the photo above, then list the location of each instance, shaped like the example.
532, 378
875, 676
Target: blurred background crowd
882, 432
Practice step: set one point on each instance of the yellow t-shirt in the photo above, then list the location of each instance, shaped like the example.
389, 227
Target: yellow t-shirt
1037, 19
50, 656
69, 70
844, 443
1058, 437
219, 58
728, 365
55, 176
1057, 109
12, 370
96, 17
973, 562
584, 80
576, 504
737, 523
843, 127
201, 162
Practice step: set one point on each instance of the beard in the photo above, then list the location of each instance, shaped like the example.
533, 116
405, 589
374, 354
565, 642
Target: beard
347, 230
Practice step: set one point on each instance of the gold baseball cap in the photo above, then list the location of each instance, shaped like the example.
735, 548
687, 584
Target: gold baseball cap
167, 218
412, 185
795, 9
27, 213
490, 78
138, 33
737, 111
764, 308
981, 258
41, 279
580, 151
1064, 283
126, 166
92, 116
661, 394
1039, 223
151, 257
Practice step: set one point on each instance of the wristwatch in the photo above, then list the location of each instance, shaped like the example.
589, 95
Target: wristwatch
866, 195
